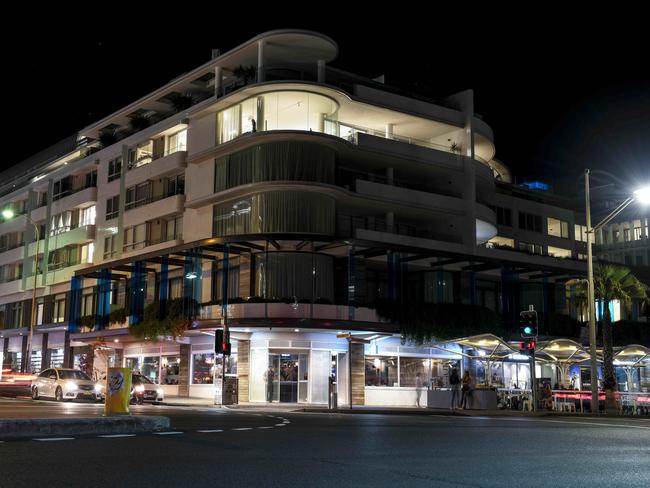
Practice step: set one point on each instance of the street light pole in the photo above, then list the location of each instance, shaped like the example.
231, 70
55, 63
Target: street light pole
643, 195
591, 301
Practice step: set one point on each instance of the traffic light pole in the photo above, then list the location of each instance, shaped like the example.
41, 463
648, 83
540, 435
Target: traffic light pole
533, 388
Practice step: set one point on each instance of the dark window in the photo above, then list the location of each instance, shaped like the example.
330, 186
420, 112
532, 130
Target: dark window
112, 207
114, 169
530, 222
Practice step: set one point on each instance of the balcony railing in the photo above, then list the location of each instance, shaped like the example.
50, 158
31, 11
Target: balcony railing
151, 199
72, 191
346, 226
148, 242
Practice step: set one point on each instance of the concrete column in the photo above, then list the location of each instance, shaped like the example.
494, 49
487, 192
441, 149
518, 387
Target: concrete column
45, 352
260, 61
389, 131
321, 71
184, 370
243, 369
358, 374
68, 359
23, 356
218, 80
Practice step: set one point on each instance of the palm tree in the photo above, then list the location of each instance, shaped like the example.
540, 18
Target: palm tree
614, 283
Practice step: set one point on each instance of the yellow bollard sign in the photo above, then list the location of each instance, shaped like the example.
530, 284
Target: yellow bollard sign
118, 391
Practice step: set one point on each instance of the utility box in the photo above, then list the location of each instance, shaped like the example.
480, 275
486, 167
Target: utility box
230, 391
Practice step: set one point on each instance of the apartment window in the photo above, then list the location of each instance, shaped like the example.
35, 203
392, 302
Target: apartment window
135, 237
61, 223
504, 215
175, 288
87, 304
580, 232
114, 169
41, 199
530, 222
559, 252
4, 239
87, 216
109, 246
112, 207
177, 142
174, 228
40, 306
58, 312
62, 188
138, 195
87, 252
557, 228
90, 179
140, 155
17, 314
175, 185
530, 248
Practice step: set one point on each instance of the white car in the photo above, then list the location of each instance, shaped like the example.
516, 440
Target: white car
65, 384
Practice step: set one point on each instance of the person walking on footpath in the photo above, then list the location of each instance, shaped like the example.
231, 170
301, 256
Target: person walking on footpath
467, 389
269, 377
418, 388
454, 382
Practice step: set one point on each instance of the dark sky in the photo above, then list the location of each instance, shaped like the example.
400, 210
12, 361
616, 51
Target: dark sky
561, 90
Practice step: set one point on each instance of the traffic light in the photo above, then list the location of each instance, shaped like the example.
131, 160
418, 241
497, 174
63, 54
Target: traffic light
528, 324
221, 343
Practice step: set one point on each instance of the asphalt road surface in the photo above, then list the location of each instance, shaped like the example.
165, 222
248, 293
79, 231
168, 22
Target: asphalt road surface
214, 447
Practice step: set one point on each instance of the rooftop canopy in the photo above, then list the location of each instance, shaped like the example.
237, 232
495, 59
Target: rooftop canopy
563, 350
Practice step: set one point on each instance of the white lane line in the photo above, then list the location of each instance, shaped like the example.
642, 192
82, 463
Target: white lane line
111, 436
531, 419
280, 425
167, 433
210, 430
243, 428
46, 439
286, 421
266, 427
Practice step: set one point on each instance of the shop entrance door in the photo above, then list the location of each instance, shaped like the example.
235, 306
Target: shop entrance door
286, 378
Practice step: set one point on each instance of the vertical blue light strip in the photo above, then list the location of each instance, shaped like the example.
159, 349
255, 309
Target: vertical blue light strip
163, 286
76, 284
137, 293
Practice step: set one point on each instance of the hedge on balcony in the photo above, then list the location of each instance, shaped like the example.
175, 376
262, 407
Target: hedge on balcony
175, 321
423, 322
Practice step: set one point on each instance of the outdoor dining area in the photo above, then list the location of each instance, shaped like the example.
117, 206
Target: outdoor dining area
502, 379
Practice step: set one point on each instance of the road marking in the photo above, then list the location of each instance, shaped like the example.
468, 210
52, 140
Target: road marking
280, 425
46, 439
266, 427
286, 421
111, 436
210, 430
243, 428
167, 433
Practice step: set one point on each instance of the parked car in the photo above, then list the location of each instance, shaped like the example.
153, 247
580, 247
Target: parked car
65, 384
145, 390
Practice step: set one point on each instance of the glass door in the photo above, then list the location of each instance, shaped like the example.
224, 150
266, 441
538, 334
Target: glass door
286, 378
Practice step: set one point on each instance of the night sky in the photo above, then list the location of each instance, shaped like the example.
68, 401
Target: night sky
560, 93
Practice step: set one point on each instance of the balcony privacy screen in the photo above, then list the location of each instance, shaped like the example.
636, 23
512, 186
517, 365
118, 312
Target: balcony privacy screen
276, 212
276, 161
293, 275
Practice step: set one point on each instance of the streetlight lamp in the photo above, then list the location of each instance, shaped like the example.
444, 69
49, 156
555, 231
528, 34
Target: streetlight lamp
8, 214
642, 195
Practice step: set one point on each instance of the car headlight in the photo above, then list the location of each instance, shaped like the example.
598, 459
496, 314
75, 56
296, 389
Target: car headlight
71, 385
139, 388
159, 391
98, 387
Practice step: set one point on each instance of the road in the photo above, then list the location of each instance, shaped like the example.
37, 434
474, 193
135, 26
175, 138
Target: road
213, 447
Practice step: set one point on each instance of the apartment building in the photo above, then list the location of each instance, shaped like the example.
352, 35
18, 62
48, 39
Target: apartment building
284, 197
